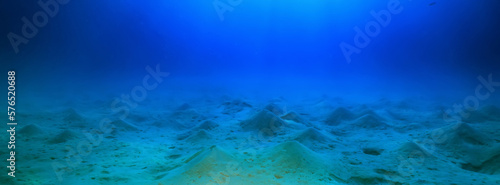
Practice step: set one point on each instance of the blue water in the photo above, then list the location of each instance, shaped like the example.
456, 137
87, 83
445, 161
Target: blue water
403, 70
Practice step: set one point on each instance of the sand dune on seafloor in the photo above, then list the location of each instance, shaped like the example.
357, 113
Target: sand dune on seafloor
239, 142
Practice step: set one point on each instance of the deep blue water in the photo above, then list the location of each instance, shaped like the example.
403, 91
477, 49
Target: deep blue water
424, 46
257, 50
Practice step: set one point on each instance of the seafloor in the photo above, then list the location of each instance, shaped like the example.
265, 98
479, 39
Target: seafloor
239, 140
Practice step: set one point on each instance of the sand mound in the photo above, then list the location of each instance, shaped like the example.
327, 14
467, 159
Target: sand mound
293, 116
184, 135
370, 113
207, 160
275, 109
370, 121
62, 137
293, 157
199, 136
72, 118
487, 113
206, 125
488, 165
31, 130
296, 164
472, 148
286, 163
235, 106
120, 125
312, 138
413, 150
264, 121
209, 166
322, 106
339, 115
461, 136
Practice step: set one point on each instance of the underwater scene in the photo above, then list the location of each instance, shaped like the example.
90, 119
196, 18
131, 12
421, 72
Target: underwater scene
250, 92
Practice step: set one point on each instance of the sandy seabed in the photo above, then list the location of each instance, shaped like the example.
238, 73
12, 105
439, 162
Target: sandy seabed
239, 141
